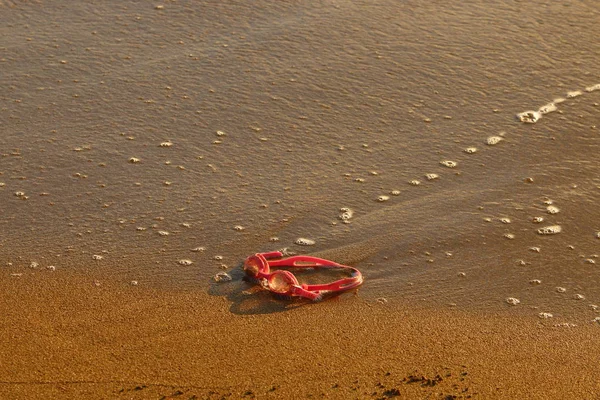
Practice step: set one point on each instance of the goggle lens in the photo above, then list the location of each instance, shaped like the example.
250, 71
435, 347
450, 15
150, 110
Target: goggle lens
280, 283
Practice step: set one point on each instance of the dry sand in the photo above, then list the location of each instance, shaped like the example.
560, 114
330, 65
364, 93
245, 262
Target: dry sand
65, 338
161, 143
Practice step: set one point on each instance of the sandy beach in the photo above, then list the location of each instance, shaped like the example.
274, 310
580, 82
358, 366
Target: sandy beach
446, 150
67, 339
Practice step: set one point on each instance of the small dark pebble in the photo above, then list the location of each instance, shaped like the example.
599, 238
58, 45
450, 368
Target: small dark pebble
391, 393
423, 380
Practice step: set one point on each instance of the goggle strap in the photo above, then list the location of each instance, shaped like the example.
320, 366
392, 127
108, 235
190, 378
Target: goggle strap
272, 254
304, 262
342, 284
301, 291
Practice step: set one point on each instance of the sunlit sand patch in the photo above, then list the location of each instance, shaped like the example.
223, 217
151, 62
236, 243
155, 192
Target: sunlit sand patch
529, 117
449, 164
552, 210
559, 100
346, 214
548, 108
286, 251
493, 140
565, 325
513, 301
550, 230
304, 242
222, 277
593, 88
532, 117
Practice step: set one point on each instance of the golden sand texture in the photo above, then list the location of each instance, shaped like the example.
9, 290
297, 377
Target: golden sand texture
63, 337
147, 148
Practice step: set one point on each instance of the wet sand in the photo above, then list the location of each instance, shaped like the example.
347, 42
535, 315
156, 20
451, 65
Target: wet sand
147, 147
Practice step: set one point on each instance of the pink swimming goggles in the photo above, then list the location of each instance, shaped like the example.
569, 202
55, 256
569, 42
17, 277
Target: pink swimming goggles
281, 282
